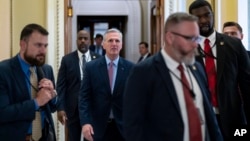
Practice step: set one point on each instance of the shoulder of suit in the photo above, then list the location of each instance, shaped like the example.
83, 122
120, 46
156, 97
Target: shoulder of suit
96, 61
5, 65
94, 55
225, 38
124, 62
74, 53
47, 66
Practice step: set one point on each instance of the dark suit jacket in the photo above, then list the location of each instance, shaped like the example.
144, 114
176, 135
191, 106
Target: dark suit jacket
233, 74
93, 47
145, 58
96, 100
68, 83
151, 109
16, 107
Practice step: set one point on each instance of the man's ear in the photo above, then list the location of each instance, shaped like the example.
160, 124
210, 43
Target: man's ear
241, 36
22, 44
169, 37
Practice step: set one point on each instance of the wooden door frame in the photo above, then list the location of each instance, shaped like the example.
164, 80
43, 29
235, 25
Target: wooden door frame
68, 13
157, 25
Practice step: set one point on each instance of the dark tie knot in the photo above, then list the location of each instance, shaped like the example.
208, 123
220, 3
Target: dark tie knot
83, 59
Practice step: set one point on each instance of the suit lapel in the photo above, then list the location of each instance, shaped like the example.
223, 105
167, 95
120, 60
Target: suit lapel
104, 73
194, 70
75, 62
21, 79
220, 55
199, 57
119, 75
165, 74
92, 55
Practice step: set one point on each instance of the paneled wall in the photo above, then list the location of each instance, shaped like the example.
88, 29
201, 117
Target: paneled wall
5, 28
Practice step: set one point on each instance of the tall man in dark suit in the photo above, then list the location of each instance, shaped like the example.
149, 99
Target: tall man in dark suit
17, 107
69, 82
143, 49
231, 95
98, 48
101, 94
159, 103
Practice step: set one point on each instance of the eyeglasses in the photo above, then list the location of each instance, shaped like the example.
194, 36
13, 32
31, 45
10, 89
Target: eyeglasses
195, 39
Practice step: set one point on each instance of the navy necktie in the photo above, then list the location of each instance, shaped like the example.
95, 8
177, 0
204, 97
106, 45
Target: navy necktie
140, 59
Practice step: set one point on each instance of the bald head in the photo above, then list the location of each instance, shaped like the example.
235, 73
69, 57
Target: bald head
83, 41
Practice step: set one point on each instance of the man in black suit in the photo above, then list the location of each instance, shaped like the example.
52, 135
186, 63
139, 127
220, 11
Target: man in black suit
231, 94
143, 49
233, 29
17, 107
155, 106
69, 82
101, 94
98, 48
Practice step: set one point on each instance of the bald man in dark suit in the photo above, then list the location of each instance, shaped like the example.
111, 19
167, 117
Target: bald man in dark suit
68, 84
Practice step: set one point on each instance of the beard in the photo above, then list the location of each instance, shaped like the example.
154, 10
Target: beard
187, 57
206, 30
189, 60
39, 60
83, 48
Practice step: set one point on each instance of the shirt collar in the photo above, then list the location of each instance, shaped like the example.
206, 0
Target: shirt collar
87, 54
211, 38
25, 66
114, 61
145, 55
170, 62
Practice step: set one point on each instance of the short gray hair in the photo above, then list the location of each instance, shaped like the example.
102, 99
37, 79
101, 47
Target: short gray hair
110, 31
177, 18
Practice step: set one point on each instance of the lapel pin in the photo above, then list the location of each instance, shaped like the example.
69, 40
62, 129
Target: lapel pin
221, 43
193, 67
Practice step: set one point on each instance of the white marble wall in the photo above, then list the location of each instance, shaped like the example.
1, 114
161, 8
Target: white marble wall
55, 26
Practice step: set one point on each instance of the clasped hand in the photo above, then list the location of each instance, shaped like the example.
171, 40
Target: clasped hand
46, 92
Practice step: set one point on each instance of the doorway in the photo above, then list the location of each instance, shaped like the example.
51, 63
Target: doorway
99, 24
129, 12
